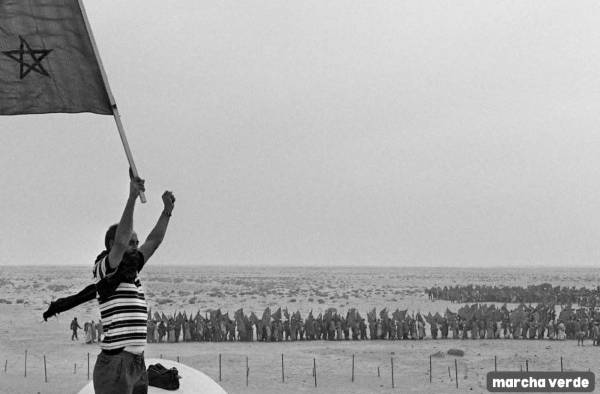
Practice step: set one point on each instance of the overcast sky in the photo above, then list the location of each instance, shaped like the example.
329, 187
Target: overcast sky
310, 132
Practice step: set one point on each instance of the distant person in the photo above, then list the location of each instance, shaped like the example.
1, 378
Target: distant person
87, 329
74, 327
161, 331
93, 331
120, 366
580, 334
99, 329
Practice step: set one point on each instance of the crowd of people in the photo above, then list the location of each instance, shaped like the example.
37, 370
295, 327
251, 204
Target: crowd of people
92, 331
477, 321
544, 293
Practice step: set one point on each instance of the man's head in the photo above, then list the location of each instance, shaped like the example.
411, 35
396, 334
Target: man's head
109, 238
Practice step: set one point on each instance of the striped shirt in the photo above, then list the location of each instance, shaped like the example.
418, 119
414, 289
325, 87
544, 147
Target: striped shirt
124, 314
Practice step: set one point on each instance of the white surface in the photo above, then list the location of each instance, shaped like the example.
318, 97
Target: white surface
192, 380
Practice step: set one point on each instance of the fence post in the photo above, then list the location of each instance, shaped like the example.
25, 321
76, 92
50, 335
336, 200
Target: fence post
392, 362
430, 377
315, 370
561, 364
495, 364
247, 371
45, 372
25, 362
456, 372
88, 356
353, 368
219, 367
282, 371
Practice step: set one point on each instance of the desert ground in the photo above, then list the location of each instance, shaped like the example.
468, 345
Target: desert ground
25, 292
67, 366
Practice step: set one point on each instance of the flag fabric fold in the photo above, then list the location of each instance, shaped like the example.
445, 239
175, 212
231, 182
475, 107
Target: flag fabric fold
47, 61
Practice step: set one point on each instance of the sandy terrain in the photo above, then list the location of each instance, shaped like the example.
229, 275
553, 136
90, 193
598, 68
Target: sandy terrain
24, 292
334, 360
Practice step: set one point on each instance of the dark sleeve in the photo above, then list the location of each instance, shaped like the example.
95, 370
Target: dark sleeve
127, 270
66, 303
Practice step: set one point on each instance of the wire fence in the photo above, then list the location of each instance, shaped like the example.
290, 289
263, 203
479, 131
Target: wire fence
304, 369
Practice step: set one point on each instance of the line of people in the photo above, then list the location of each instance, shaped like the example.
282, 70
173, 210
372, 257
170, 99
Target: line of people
92, 331
470, 322
515, 294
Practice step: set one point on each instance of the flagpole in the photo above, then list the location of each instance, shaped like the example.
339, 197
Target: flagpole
111, 98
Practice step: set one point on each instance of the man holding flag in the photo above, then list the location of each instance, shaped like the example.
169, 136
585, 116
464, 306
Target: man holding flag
49, 63
120, 366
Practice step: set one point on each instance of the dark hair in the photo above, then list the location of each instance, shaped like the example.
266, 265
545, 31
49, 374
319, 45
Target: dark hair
110, 235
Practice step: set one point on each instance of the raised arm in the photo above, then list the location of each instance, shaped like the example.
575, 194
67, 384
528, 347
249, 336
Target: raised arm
160, 228
125, 227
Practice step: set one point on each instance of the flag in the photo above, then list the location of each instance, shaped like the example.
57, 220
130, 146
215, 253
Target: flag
372, 316
47, 61
351, 317
266, 317
215, 314
399, 315
277, 314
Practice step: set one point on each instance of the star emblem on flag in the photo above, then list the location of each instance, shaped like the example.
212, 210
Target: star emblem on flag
29, 59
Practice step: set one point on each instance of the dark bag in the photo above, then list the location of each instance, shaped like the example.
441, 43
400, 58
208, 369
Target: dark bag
161, 377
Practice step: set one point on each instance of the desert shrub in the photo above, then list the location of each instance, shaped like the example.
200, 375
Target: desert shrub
456, 352
5, 282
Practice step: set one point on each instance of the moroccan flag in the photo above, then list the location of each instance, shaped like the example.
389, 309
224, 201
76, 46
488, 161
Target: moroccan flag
277, 314
47, 62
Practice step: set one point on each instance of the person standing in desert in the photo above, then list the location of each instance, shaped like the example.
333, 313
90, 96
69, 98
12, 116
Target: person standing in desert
120, 366
74, 327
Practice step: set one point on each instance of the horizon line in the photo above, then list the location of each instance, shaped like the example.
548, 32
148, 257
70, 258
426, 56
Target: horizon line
266, 265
